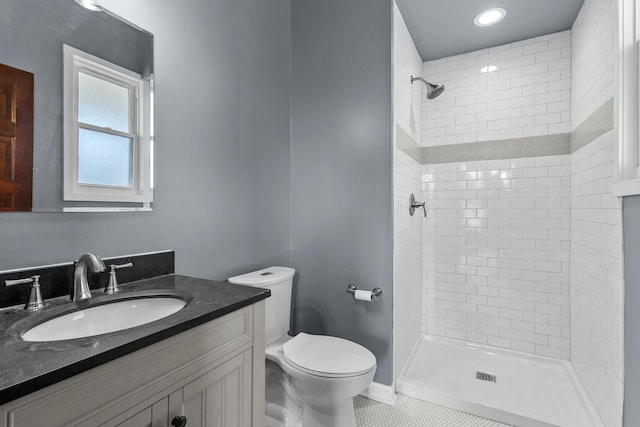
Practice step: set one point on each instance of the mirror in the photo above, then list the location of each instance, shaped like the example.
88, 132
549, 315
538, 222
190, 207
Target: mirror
32, 33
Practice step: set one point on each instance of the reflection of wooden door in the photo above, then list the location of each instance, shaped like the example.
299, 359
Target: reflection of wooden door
16, 139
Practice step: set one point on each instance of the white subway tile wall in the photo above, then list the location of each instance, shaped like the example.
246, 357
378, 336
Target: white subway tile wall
597, 284
407, 260
496, 253
528, 94
594, 58
407, 251
406, 63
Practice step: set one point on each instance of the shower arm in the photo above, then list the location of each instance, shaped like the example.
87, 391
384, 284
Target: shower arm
413, 79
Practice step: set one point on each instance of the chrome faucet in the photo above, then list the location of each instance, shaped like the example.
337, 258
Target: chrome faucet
80, 283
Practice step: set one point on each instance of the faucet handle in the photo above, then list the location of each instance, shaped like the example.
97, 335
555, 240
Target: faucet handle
35, 302
413, 204
20, 281
112, 286
119, 266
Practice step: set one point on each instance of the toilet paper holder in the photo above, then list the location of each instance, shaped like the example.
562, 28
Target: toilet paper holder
376, 292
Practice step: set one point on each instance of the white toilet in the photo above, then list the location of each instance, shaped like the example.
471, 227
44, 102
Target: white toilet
311, 379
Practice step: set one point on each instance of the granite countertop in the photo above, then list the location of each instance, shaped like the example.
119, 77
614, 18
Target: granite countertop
29, 366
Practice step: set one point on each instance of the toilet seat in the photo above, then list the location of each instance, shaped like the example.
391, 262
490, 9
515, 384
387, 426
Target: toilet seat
326, 356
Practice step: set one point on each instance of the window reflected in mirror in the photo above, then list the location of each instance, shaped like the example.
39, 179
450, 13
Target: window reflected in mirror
107, 131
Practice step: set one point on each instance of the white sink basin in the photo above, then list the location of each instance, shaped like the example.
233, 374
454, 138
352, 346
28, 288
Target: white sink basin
102, 319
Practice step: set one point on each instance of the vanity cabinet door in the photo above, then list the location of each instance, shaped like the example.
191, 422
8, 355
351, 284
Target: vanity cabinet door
141, 419
222, 397
156, 415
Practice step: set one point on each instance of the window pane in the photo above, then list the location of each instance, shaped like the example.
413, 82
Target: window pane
102, 103
105, 159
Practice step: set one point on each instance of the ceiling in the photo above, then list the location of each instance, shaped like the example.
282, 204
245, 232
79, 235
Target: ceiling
443, 28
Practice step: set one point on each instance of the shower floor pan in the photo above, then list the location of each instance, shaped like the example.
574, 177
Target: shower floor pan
529, 390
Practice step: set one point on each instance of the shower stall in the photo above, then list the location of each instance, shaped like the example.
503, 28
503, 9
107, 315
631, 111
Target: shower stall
508, 296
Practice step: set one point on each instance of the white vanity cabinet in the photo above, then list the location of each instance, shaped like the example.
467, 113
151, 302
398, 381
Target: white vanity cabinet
220, 397
212, 374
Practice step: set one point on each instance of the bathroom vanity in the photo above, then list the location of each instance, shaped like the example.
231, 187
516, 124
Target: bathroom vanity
204, 363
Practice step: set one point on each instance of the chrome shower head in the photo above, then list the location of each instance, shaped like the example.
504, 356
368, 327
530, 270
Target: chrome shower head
433, 91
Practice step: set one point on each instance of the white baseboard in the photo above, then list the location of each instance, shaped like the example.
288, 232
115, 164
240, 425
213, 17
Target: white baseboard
381, 393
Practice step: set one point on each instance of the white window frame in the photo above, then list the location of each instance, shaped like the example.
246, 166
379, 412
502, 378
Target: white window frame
628, 159
75, 62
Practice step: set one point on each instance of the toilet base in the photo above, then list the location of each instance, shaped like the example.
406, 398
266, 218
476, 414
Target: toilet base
341, 414
278, 416
308, 400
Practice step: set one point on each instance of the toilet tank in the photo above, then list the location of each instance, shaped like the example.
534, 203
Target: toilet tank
279, 280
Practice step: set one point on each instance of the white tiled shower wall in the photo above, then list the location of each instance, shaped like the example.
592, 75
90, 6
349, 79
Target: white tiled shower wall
406, 63
597, 285
593, 58
528, 94
407, 251
497, 241
496, 253
407, 261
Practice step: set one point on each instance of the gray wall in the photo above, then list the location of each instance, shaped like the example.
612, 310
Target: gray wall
222, 164
631, 224
341, 170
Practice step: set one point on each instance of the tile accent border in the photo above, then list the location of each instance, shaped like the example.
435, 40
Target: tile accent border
597, 124
545, 145
408, 145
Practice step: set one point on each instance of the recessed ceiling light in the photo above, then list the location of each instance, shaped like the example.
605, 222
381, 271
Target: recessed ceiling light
490, 17
88, 4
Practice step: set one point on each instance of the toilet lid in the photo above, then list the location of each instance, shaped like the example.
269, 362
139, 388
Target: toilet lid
328, 356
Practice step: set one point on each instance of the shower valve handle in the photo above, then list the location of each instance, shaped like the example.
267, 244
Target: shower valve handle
413, 205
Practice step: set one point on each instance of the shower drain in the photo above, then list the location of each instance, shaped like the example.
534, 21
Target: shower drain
485, 376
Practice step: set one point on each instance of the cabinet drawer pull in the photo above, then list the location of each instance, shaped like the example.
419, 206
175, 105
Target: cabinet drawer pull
179, 421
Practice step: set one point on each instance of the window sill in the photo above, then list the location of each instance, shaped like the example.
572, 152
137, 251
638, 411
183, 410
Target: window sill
628, 187
107, 209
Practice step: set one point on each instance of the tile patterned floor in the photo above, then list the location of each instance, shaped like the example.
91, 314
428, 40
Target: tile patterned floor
409, 412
